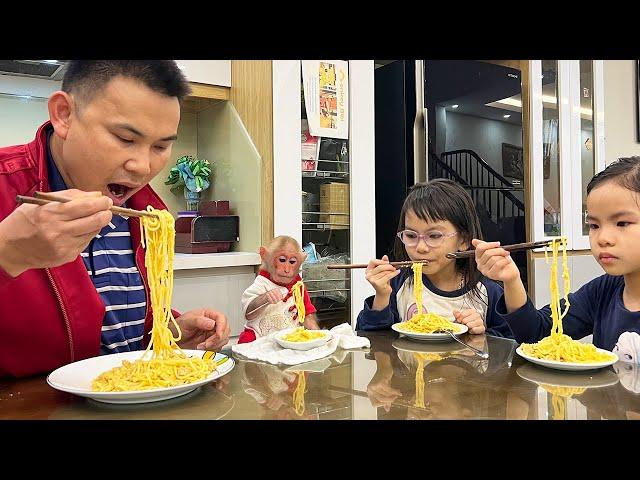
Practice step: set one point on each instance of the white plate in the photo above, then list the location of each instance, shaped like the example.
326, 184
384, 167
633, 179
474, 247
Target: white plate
301, 345
430, 337
573, 366
76, 378
535, 374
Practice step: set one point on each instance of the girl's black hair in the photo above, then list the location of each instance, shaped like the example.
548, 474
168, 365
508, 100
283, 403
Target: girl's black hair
624, 171
445, 200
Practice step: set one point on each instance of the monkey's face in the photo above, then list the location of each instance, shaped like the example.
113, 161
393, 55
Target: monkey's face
286, 264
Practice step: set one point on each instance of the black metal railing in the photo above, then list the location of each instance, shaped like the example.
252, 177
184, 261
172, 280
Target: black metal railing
485, 185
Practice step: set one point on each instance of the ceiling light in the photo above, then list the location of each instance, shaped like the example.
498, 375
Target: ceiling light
549, 99
455, 106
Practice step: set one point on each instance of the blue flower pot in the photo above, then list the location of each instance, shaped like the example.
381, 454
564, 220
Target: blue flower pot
192, 198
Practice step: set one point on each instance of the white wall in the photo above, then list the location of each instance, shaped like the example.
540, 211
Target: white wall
20, 118
186, 144
35, 87
582, 269
620, 140
620, 109
483, 136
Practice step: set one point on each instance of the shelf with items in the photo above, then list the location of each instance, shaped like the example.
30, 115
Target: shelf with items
323, 225
325, 169
325, 175
329, 290
325, 206
323, 163
319, 288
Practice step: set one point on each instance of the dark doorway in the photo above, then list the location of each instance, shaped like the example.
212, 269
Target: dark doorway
475, 137
395, 111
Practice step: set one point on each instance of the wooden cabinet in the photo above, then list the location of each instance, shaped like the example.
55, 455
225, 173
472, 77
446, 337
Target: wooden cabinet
209, 72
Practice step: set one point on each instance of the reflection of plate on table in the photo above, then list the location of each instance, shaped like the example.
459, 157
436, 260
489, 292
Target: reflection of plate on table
76, 378
602, 378
204, 403
406, 345
430, 337
574, 366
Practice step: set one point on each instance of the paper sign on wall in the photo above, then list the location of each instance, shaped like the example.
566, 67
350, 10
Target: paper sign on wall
326, 97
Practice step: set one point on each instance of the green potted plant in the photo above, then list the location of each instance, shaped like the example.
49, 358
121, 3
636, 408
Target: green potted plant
193, 174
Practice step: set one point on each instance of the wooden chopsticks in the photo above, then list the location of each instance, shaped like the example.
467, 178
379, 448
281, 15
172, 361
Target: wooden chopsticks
464, 254
348, 266
43, 198
515, 246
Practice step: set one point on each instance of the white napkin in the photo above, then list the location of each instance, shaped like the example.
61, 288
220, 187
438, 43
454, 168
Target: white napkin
265, 349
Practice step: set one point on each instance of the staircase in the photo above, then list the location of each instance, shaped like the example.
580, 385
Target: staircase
501, 213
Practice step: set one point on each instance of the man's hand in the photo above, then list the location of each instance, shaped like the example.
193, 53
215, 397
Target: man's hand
41, 236
203, 329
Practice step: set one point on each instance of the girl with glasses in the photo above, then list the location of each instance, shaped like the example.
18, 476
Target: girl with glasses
437, 217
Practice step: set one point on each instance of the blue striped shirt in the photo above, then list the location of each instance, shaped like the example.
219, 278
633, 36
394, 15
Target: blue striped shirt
110, 263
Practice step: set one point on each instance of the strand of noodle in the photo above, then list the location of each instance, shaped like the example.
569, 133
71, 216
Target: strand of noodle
419, 401
420, 358
565, 276
417, 285
163, 363
424, 322
559, 407
559, 396
298, 297
558, 346
298, 394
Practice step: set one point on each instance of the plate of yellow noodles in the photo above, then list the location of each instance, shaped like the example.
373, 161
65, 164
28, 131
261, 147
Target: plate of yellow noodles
95, 378
594, 358
299, 338
427, 327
